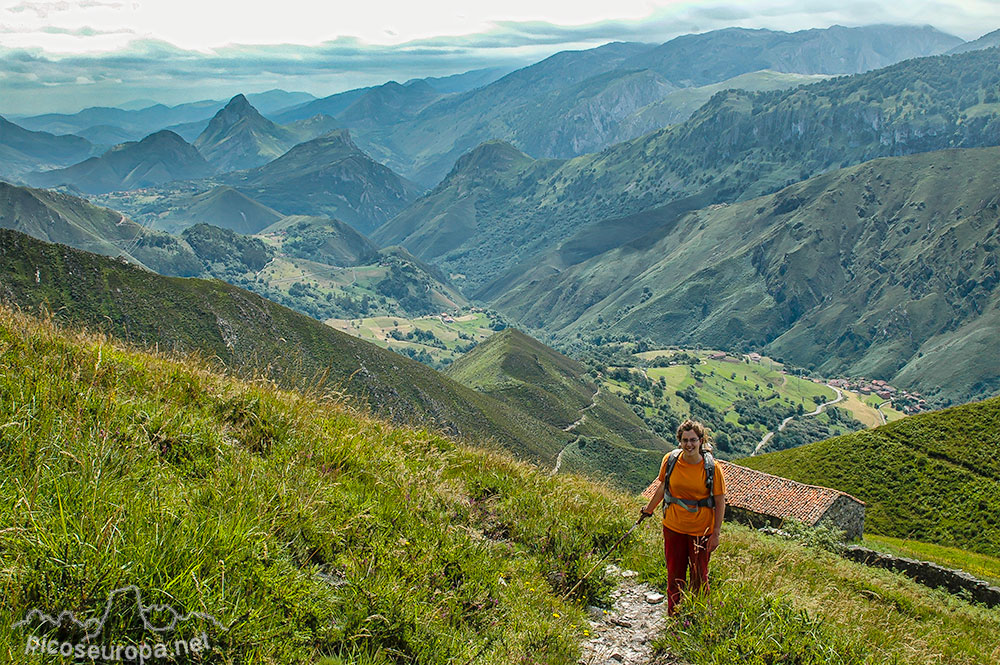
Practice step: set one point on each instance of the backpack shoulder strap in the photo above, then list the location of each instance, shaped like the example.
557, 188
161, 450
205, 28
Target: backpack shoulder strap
710, 476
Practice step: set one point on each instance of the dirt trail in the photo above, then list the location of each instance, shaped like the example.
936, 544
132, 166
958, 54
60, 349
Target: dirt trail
570, 428
623, 634
784, 423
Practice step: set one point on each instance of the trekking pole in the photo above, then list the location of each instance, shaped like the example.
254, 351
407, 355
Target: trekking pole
617, 543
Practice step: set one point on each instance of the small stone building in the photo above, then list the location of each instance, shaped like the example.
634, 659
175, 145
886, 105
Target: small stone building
759, 499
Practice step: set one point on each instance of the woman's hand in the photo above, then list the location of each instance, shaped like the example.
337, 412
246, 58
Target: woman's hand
713, 542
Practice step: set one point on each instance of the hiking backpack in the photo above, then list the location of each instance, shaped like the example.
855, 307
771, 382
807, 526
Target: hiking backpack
689, 505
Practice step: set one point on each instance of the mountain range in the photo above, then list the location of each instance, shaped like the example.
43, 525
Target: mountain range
737, 146
157, 159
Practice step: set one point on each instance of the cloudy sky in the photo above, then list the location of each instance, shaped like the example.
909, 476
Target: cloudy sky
63, 55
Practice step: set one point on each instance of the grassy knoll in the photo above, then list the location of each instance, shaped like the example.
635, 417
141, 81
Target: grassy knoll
932, 477
430, 339
981, 565
315, 533
612, 441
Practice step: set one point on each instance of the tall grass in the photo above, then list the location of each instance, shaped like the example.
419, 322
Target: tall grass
315, 533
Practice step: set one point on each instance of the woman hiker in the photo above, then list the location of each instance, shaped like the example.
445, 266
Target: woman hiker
695, 505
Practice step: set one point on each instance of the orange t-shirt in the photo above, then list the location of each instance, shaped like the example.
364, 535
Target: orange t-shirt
687, 481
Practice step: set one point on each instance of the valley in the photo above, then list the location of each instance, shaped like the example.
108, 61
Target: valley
375, 373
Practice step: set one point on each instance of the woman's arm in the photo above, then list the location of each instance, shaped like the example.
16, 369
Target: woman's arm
720, 515
655, 500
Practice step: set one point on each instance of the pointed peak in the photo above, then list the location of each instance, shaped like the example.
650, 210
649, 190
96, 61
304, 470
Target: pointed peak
238, 102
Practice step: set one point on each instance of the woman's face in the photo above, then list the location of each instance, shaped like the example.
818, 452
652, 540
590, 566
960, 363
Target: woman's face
690, 441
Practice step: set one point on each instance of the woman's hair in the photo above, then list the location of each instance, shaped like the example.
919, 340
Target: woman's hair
699, 429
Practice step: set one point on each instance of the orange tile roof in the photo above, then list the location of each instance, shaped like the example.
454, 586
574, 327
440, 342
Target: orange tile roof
767, 494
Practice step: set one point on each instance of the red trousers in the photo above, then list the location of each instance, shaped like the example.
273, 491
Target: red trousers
682, 552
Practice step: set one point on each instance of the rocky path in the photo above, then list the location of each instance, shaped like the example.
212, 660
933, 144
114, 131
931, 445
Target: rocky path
623, 634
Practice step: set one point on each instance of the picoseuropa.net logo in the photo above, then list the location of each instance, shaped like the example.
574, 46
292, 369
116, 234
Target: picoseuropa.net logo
158, 619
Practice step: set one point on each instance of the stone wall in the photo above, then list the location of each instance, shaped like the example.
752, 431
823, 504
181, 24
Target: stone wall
750, 518
848, 514
931, 574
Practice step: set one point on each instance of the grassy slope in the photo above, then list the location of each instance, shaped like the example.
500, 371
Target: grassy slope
931, 477
56, 217
980, 565
311, 531
254, 336
538, 380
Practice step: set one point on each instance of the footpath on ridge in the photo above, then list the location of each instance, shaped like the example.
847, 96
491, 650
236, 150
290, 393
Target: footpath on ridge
570, 428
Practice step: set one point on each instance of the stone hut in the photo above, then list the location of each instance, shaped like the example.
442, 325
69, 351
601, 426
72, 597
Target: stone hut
759, 499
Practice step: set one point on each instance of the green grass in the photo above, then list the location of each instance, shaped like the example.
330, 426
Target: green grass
313, 531
775, 601
452, 339
930, 477
980, 565
244, 334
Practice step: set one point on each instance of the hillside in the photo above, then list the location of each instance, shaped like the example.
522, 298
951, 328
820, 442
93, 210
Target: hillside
931, 477
220, 206
739, 145
253, 337
536, 379
23, 150
710, 57
330, 177
843, 273
578, 101
55, 217
157, 159
321, 239
238, 137
319, 519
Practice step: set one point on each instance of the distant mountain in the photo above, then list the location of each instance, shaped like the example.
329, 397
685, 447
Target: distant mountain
238, 137
331, 177
330, 105
141, 122
154, 117
581, 101
107, 135
322, 240
888, 269
56, 217
388, 104
221, 206
679, 105
448, 216
737, 146
710, 57
426, 147
989, 40
159, 158
23, 150
903, 469
465, 81
536, 379
251, 336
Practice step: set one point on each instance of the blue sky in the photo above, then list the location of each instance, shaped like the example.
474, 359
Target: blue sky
63, 55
